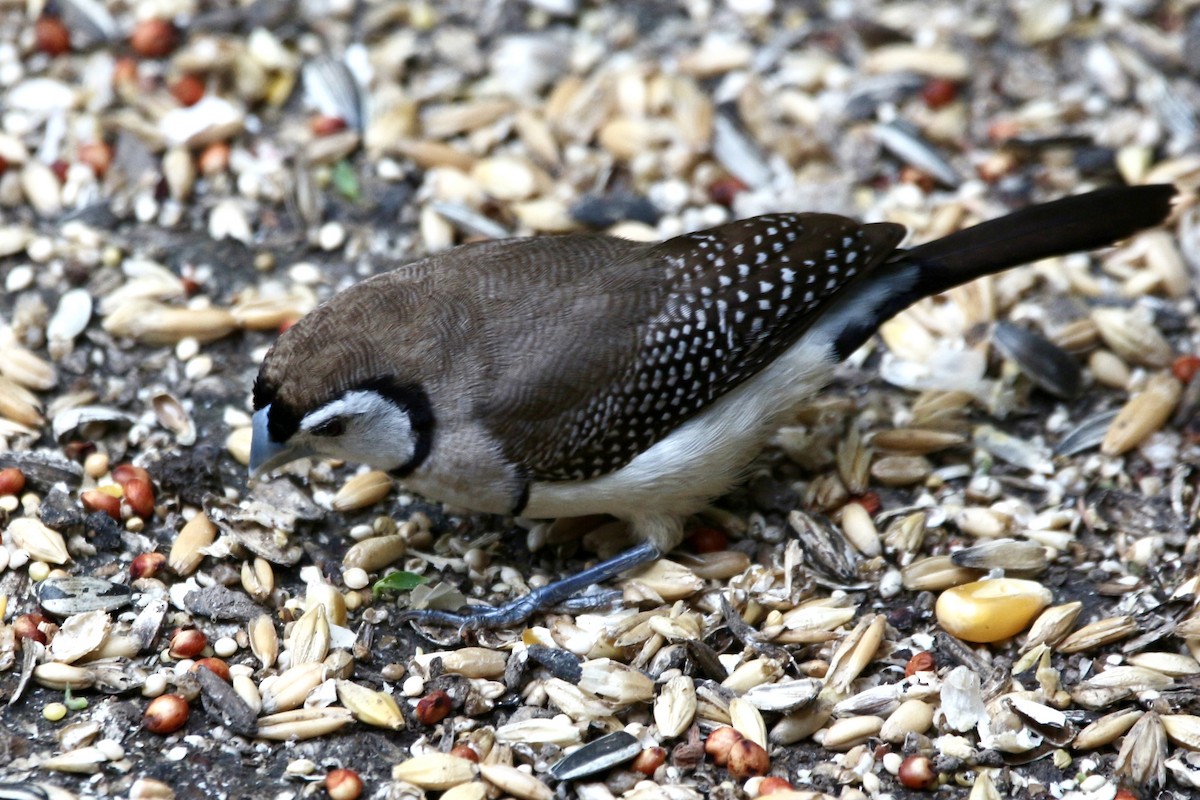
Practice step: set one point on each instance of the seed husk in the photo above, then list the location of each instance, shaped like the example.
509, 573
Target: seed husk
1144, 748
846, 733
1176, 665
375, 553
519, 784
537, 731
917, 441
258, 578
935, 573
1183, 729
79, 635
436, 771
911, 716
1143, 414
264, 640
786, 695
1132, 336
578, 704
753, 673
470, 662
860, 530
42, 543
664, 580
615, 681
854, 653
309, 641
854, 461
25, 368
157, 324
369, 706
288, 689
1098, 634
1052, 625
746, 720
675, 706
303, 723
186, 551
362, 491
1106, 729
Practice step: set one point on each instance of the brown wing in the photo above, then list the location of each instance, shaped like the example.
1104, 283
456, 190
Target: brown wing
625, 352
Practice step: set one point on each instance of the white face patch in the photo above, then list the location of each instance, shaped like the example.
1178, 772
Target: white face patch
375, 430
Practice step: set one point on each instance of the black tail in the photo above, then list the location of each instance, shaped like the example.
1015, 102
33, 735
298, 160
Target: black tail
1072, 224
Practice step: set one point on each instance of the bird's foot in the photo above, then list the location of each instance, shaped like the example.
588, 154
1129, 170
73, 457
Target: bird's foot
565, 592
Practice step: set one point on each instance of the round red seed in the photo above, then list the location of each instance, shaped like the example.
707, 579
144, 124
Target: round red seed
773, 784
139, 494
343, 784
1185, 368
146, 565
166, 713
649, 760
214, 665
917, 772
723, 190
95, 500
51, 36
720, 742
188, 90
920, 662
939, 92
187, 643
12, 480
708, 540
747, 758
123, 473
465, 751
97, 156
434, 707
29, 626
153, 38
325, 125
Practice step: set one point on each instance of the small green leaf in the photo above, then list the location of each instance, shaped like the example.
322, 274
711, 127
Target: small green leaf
398, 582
74, 703
345, 180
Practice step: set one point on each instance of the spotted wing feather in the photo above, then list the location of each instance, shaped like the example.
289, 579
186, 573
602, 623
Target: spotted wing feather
701, 313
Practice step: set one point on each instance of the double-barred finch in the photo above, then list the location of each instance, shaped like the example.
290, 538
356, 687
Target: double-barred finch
584, 374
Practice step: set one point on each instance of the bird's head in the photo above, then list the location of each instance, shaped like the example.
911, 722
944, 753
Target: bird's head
325, 390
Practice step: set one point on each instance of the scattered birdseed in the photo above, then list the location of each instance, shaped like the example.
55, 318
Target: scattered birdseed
180, 188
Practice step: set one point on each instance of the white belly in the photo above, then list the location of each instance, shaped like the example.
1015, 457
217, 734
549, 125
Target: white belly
701, 459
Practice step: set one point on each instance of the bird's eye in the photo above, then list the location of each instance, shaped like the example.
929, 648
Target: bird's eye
333, 426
